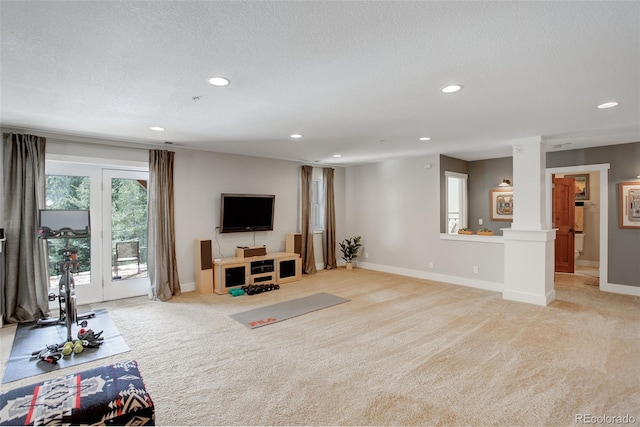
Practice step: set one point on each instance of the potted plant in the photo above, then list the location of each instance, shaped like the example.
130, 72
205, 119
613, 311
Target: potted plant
485, 232
350, 248
465, 230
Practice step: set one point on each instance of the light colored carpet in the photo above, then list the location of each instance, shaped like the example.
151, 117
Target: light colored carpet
403, 352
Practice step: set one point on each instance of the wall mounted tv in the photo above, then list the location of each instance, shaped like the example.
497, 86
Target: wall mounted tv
246, 212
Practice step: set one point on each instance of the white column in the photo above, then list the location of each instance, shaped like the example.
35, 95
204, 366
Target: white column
529, 243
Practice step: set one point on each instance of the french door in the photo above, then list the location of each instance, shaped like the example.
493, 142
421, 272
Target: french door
117, 201
124, 230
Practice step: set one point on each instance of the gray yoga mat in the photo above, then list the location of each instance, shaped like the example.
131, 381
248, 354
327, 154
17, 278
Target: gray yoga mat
286, 310
29, 338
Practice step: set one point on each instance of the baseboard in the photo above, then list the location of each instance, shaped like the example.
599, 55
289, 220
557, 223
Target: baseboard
188, 287
536, 299
585, 263
620, 289
419, 274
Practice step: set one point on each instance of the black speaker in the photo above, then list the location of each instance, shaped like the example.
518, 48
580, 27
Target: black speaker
203, 257
293, 243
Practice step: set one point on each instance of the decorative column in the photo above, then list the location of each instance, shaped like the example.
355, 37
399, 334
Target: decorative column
529, 243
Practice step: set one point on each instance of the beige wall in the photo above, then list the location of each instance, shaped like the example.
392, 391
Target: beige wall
199, 179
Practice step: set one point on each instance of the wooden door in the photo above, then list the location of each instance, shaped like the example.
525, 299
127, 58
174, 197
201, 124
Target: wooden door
563, 222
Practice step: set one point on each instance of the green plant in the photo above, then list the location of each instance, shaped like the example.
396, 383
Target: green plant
464, 229
350, 248
484, 229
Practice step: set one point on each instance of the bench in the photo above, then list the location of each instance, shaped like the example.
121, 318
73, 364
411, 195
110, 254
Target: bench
109, 395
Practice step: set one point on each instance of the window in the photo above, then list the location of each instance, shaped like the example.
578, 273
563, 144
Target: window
317, 205
456, 201
317, 200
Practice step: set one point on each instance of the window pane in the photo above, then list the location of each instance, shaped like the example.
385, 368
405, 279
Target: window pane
129, 228
317, 205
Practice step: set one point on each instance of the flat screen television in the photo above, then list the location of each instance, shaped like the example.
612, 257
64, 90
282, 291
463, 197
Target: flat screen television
246, 212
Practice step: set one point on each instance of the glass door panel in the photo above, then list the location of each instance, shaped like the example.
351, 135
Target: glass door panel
125, 231
72, 186
69, 192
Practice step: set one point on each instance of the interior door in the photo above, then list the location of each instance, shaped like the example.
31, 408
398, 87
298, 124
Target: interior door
125, 234
563, 222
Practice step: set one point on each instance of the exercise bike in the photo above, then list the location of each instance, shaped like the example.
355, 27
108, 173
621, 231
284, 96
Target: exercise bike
79, 221
67, 294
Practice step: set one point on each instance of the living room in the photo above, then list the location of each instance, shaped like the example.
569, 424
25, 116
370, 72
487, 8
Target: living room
404, 234
440, 328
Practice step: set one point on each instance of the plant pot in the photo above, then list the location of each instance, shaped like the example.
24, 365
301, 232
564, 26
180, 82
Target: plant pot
465, 232
349, 266
485, 233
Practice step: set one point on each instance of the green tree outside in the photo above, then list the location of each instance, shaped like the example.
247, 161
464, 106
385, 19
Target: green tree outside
128, 216
68, 192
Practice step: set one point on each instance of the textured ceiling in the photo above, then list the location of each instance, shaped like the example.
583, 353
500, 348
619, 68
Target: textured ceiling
361, 79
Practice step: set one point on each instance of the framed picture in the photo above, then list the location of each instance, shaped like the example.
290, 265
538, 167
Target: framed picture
629, 204
582, 186
501, 202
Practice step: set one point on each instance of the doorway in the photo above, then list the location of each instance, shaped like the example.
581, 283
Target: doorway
591, 261
125, 233
117, 202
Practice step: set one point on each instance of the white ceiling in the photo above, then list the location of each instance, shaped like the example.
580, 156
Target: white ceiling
356, 78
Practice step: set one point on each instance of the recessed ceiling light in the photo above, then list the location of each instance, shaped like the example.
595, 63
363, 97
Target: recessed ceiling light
219, 81
608, 105
295, 136
451, 88
425, 138
157, 128
337, 155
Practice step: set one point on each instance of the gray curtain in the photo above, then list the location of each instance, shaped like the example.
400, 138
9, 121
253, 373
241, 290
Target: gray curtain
162, 265
329, 244
308, 257
26, 284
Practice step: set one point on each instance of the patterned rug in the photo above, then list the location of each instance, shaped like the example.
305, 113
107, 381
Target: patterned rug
30, 337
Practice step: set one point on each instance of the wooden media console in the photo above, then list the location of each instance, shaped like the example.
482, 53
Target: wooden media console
247, 268
279, 268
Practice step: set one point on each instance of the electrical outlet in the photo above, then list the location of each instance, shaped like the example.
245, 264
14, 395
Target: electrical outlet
366, 255
475, 269
480, 221
431, 264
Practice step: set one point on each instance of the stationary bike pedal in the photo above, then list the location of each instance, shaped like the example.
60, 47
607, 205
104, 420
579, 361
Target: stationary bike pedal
52, 297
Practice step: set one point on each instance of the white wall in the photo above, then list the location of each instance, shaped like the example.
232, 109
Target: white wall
395, 207
58, 149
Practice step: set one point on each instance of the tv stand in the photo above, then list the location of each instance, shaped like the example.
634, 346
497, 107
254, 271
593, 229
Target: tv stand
277, 268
